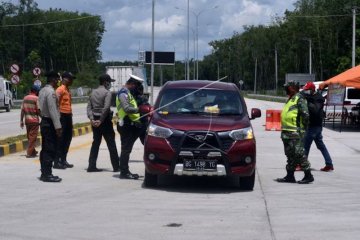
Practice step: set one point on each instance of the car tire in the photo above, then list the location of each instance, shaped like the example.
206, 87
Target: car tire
247, 183
150, 180
8, 107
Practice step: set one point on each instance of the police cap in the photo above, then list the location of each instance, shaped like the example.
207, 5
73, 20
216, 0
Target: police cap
52, 76
68, 75
105, 78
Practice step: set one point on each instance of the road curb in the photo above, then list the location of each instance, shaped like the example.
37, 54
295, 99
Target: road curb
20, 146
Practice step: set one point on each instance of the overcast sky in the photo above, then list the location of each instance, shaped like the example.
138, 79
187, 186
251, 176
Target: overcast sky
128, 22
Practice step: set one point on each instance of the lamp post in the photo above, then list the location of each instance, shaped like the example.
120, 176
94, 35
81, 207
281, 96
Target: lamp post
194, 35
310, 53
196, 14
152, 51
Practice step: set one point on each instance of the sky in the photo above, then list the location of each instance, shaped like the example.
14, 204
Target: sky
128, 22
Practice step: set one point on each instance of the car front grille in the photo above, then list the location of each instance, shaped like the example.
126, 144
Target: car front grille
201, 141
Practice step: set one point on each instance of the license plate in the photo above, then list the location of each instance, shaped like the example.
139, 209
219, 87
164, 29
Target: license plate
200, 165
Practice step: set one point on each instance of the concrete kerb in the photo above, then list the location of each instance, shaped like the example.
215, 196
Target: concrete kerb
20, 146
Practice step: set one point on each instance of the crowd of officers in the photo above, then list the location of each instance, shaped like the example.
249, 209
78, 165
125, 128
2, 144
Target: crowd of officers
301, 124
52, 105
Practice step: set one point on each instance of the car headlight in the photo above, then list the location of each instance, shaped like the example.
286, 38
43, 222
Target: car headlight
242, 134
159, 132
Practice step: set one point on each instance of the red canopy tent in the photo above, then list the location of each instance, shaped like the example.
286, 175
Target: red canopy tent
349, 78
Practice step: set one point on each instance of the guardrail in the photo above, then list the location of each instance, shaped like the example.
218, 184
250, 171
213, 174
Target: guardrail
84, 99
267, 97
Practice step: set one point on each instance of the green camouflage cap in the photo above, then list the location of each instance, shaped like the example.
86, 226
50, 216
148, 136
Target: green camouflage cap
292, 84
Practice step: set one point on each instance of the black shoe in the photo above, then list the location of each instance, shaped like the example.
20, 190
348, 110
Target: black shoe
68, 165
94, 170
50, 178
308, 178
116, 170
286, 180
59, 166
129, 175
289, 178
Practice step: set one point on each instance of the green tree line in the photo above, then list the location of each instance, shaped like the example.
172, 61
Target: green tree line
51, 39
327, 23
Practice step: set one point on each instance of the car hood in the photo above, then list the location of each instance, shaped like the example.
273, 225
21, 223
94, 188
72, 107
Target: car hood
185, 122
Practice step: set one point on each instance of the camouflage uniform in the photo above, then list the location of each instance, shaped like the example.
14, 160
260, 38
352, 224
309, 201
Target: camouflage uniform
294, 140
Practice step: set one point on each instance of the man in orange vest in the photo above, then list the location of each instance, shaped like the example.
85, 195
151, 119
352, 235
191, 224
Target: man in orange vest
64, 95
30, 111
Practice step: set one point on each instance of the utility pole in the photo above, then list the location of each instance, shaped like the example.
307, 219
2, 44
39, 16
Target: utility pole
354, 37
256, 62
188, 40
276, 70
152, 52
310, 57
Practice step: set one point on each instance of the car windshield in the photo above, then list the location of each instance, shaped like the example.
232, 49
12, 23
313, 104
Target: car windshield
204, 101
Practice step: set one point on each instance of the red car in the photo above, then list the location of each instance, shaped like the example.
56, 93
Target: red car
200, 128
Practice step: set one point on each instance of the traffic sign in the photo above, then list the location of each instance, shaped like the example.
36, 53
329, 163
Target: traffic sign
37, 83
15, 79
14, 68
36, 71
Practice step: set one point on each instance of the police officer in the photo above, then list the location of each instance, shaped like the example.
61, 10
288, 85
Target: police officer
129, 125
50, 127
144, 108
100, 115
64, 95
294, 122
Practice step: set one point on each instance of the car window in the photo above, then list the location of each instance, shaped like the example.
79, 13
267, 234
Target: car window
353, 93
182, 101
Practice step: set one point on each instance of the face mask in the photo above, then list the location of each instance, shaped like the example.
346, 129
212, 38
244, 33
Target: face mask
307, 92
107, 85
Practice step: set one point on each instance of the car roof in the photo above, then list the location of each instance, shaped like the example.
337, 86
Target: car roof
196, 84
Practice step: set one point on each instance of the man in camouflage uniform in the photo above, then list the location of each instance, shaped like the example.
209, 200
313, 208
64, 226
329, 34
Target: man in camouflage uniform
294, 122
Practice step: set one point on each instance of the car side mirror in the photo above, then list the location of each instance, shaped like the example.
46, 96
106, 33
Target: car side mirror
255, 113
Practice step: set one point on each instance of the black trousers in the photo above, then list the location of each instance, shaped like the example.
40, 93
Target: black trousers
66, 137
105, 130
49, 145
128, 136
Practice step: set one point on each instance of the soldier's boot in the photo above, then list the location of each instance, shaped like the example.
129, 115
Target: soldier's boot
308, 178
58, 164
289, 178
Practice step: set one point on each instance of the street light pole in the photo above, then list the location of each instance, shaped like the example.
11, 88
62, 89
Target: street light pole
188, 40
152, 52
310, 57
276, 69
354, 37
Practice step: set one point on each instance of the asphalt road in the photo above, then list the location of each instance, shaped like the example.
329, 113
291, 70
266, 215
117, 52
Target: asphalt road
102, 206
10, 121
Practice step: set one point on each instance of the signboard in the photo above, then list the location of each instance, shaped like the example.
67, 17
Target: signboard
160, 58
36, 71
15, 79
301, 78
37, 83
14, 68
336, 94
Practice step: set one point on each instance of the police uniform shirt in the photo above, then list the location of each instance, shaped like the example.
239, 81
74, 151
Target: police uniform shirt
49, 105
125, 102
99, 103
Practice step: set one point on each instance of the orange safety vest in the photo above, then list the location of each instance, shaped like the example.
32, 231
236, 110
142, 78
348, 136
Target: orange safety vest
64, 99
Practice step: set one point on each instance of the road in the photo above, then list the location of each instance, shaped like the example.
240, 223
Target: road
102, 206
10, 121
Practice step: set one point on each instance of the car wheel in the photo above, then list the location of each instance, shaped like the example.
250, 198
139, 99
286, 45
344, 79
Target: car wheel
247, 183
8, 107
150, 180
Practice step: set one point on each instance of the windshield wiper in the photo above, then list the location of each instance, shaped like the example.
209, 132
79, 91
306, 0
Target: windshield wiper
229, 114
